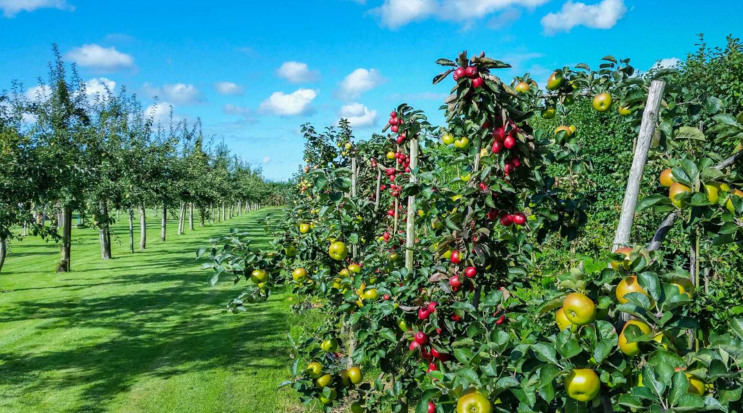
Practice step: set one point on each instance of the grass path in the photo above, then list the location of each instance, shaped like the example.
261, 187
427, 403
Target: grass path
140, 333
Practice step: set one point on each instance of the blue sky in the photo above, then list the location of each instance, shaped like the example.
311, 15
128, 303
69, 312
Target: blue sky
255, 71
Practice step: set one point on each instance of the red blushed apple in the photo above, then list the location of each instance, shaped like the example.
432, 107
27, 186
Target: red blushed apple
460, 72
394, 129
515, 162
431, 367
497, 147
499, 134
492, 214
393, 121
483, 187
506, 220
455, 257
519, 219
421, 338
455, 282
470, 272
393, 114
508, 169
471, 72
423, 313
432, 306
477, 82
456, 317
413, 346
509, 142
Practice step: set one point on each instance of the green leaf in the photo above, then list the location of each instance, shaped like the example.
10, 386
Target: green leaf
568, 346
688, 132
422, 406
547, 373
725, 118
651, 284
736, 325
630, 401
546, 351
689, 402
602, 350
650, 381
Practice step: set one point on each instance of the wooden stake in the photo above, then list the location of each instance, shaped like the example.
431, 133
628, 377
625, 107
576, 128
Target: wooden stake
410, 241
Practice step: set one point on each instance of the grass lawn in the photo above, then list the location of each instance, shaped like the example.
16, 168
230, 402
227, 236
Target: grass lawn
142, 332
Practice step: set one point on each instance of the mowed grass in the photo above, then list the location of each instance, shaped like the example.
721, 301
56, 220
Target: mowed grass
142, 332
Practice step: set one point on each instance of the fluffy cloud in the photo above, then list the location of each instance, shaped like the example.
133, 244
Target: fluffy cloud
99, 87
397, 13
11, 8
37, 93
358, 115
178, 93
358, 82
160, 113
666, 63
297, 103
100, 58
603, 15
228, 88
297, 72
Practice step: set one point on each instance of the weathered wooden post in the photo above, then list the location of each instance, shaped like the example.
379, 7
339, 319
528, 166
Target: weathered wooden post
410, 240
647, 130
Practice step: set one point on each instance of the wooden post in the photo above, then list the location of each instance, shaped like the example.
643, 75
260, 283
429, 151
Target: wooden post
354, 182
410, 240
647, 130
379, 184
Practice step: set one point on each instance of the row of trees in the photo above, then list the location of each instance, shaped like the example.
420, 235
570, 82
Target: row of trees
68, 149
465, 323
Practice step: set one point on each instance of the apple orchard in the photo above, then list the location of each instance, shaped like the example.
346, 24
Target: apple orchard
419, 247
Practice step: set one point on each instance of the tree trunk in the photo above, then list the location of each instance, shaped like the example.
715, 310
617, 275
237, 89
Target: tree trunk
190, 216
142, 228
410, 229
131, 230
202, 217
182, 218
3, 252
239, 208
104, 234
164, 224
65, 222
224, 217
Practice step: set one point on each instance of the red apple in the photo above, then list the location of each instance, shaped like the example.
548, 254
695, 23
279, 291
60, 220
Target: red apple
492, 214
470, 272
471, 71
477, 82
499, 134
508, 169
506, 220
423, 313
509, 142
413, 346
460, 72
455, 282
497, 147
432, 306
421, 338
393, 114
519, 219
455, 257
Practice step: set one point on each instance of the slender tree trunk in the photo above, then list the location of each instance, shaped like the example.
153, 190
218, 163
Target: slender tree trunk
142, 228
131, 230
224, 217
164, 224
65, 222
202, 217
190, 216
103, 232
181, 218
3, 252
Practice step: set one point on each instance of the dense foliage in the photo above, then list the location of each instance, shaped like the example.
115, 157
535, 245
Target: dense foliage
467, 322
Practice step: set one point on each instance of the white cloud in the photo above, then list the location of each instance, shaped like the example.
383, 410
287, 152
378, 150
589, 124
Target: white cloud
397, 13
228, 88
504, 19
297, 72
603, 15
358, 115
101, 58
297, 103
38, 93
99, 86
178, 93
266, 159
358, 82
160, 113
11, 8
666, 63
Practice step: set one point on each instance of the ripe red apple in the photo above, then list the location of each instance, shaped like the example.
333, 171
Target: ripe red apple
471, 71
393, 121
506, 220
386, 296
477, 82
497, 147
456, 317
413, 346
483, 187
509, 142
421, 338
423, 313
519, 219
431, 367
432, 306
395, 129
499, 133
492, 214
455, 257
508, 169
460, 72
455, 282
400, 139
393, 114
515, 162
431, 407
470, 272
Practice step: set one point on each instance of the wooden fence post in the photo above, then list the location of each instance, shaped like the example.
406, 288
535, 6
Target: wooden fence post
647, 130
354, 183
410, 240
